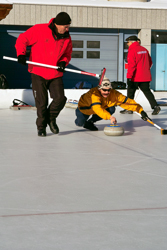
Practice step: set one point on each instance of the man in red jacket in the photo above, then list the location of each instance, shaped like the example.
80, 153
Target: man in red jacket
139, 74
50, 44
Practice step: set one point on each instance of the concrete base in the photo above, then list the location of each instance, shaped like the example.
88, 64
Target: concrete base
26, 95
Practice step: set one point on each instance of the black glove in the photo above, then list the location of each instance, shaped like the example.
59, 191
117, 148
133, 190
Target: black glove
22, 59
61, 65
144, 116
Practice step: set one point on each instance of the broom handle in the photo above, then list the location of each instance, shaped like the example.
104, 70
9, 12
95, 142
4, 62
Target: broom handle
53, 67
150, 122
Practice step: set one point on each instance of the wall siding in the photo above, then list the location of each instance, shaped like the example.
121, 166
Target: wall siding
106, 17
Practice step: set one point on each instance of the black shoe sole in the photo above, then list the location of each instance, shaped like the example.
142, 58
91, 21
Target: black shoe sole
89, 128
42, 134
53, 130
156, 112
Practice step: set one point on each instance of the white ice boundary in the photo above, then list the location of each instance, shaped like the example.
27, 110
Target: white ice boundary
8, 95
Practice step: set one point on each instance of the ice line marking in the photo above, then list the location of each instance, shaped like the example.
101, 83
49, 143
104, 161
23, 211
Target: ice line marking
85, 212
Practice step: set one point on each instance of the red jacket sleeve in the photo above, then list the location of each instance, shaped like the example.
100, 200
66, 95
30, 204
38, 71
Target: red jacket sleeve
25, 39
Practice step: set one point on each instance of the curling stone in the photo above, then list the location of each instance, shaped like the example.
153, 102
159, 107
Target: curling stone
73, 104
113, 130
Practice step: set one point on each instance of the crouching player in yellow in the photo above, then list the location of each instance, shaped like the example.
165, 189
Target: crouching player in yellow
100, 102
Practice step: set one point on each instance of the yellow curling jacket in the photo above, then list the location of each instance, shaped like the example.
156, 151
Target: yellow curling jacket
93, 102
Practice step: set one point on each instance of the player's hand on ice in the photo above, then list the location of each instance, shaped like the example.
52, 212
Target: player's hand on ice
22, 59
61, 65
113, 120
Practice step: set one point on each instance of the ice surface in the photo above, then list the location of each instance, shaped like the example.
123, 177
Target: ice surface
80, 189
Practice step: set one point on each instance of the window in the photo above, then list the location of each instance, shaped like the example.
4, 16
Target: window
86, 49
77, 44
159, 37
77, 54
93, 54
93, 44
125, 56
125, 45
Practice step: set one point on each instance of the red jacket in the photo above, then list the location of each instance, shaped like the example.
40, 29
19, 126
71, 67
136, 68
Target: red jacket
139, 63
45, 48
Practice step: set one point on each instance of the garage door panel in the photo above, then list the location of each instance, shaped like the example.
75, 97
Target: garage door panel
108, 57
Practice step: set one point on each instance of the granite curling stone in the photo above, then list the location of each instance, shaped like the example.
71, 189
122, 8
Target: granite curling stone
113, 130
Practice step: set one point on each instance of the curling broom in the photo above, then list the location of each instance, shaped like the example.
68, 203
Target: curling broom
163, 131
66, 69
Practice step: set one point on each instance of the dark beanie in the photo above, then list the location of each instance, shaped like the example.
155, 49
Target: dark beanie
132, 38
62, 19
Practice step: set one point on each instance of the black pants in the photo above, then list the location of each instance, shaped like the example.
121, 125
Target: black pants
40, 88
82, 118
145, 88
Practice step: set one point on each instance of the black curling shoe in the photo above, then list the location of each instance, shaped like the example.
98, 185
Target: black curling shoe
53, 127
156, 110
90, 126
42, 132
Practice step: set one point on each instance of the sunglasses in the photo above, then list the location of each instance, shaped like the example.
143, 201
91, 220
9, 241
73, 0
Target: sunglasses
106, 90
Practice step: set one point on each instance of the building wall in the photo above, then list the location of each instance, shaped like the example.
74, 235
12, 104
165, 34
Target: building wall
95, 17
141, 20
106, 17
